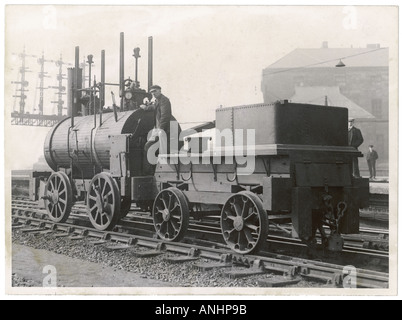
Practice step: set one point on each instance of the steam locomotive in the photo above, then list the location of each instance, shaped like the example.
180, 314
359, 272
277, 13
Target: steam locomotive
266, 163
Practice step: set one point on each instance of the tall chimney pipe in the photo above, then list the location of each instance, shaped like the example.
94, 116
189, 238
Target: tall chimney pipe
121, 70
150, 63
76, 93
102, 86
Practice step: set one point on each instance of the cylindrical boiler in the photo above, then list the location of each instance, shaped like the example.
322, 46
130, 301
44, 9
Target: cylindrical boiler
87, 146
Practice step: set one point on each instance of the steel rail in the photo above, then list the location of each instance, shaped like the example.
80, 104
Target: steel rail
289, 266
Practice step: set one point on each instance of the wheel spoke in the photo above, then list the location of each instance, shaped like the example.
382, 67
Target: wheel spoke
96, 216
175, 226
251, 215
56, 211
106, 196
229, 232
105, 217
249, 236
245, 209
60, 184
170, 202
251, 226
239, 238
237, 209
105, 186
52, 185
164, 203
176, 216
163, 229
176, 206
59, 207
52, 209
229, 214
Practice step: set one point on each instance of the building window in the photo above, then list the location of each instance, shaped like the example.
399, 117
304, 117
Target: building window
376, 108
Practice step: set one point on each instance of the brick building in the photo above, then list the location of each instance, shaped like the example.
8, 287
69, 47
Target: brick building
362, 85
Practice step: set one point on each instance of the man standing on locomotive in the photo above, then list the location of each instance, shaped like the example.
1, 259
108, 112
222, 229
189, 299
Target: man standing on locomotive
355, 140
163, 116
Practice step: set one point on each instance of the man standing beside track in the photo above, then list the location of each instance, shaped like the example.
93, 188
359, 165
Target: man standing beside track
355, 139
371, 158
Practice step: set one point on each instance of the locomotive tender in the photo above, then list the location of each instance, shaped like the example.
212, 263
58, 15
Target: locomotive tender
300, 159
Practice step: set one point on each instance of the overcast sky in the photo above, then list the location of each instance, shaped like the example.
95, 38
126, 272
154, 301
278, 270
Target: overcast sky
204, 56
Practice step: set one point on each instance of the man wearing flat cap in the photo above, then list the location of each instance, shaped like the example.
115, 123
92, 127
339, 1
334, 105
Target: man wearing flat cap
355, 140
163, 116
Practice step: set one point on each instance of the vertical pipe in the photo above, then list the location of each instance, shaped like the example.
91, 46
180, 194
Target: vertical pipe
136, 71
121, 70
90, 62
93, 99
70, 91
102, 87
150, 63
75, 86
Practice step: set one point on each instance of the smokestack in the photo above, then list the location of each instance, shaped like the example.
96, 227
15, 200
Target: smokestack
324, 45
76, 85
121, 69
102, 92
150, 63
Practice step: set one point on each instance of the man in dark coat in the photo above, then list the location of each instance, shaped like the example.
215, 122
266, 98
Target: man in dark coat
163, 117
371, 158
355, 140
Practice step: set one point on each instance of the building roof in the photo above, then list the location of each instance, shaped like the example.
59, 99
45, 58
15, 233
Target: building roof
328, 57
316, 95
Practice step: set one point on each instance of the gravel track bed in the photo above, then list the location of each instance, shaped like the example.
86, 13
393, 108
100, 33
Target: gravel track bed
149, 268
19, 281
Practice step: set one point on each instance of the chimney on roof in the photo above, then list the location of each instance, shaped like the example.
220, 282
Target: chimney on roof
373, 46
324, 45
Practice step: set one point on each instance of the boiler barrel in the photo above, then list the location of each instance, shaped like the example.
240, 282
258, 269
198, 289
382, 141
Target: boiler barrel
88, 147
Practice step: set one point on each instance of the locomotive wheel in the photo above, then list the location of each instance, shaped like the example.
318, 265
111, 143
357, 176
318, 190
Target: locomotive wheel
103, 202
171, 214
58, 197
244, 223
125, 207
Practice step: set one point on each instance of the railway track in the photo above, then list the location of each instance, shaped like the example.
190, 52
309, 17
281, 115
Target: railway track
367, 240
134, 233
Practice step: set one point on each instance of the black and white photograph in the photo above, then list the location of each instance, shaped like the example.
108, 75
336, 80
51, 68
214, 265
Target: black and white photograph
215, 150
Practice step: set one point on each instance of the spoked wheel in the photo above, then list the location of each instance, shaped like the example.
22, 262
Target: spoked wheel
104, 202
244, 223
125, 206
171, 214
58, 197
